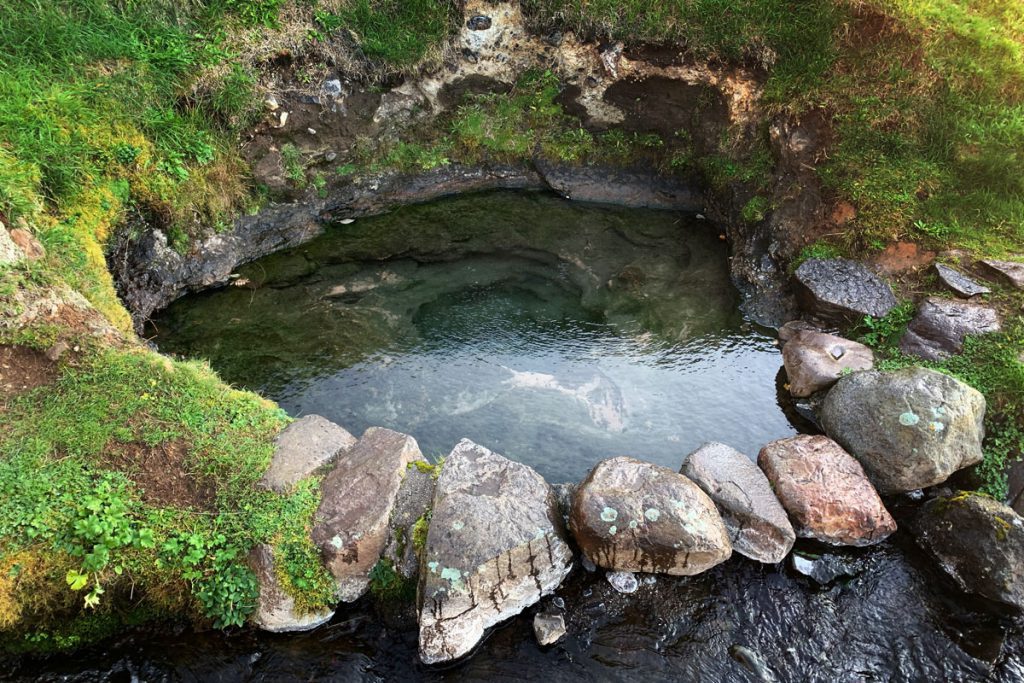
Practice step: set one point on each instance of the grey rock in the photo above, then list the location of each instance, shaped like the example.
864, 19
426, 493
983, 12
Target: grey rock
940, 326
791, 328
840, 290
623, 582
629, 515
275, 609
414, 499
495, 546
359, 494
910, 428
756, 521
825, 569
330, 156
1011, 272
10, 253
978, 541
332, 88
563, 495
825, 491
548, 628
478, 22
301, 449
815, 361
958, 282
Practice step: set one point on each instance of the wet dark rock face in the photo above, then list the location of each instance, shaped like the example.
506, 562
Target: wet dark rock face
676, 629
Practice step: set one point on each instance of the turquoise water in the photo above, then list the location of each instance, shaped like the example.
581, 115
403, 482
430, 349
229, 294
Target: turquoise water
555, 333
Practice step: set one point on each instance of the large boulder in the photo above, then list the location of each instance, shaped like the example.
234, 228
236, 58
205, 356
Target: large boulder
940, 326
633, 516
757, 523
959, 283
815, 361
302, 448
910, 428
840, 290
351, 524
275, 609
825, 491
495, 546
978, 541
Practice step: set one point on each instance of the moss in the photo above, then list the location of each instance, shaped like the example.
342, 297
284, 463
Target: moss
388, 585
419, 532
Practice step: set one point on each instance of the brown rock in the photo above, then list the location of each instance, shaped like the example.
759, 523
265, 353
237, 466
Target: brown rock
28, 243
903, 256
825, 491
351, 524
633, 516
815, 361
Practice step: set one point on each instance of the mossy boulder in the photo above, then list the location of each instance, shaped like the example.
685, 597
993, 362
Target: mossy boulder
978, 541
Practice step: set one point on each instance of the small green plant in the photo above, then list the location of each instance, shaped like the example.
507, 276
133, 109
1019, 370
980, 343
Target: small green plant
885, 332
756, 210
816, 250
294, 168
419, 532
386, 584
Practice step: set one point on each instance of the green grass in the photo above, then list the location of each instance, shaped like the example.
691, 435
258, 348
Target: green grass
75, 519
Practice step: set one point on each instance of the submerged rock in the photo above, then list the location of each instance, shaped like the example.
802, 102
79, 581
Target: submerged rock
815, 361
623, 582
826, 568
351, 524
548, 628
940, 326
825, 491
841, 290
275, 609
910, 428
978, 541
1010, 272
757, 523
494, 548
302, 448
958, 282
633, 516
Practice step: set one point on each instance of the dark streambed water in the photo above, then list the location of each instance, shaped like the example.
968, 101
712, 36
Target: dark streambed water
555, 333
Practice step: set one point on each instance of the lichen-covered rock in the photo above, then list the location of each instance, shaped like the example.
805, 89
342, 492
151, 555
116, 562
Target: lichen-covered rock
910, 428
825, 491
414, 499
302, 448
940, 326
9, 251
958, 282
495, 546
757, 523
629, 515
841, 290
1010, 272
351, 524
815, 361
275, 610
978, 541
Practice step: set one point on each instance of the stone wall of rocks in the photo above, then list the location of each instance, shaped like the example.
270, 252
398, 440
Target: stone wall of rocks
500, 537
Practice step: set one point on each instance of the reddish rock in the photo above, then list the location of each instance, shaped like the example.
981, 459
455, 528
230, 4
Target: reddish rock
825, 491
28, 243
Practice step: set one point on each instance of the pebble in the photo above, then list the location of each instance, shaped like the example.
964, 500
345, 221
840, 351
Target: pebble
271, 103
331, 156
623, 582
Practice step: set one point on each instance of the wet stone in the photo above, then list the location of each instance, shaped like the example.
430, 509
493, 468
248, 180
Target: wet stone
815, 361
548, 628
634, 516
910, 429
978, 541
494, 548
940, 326
958, 282
841, 290
275, 609
358, 495
825, 569
757, 523
302, 448
825, 491
623, 582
